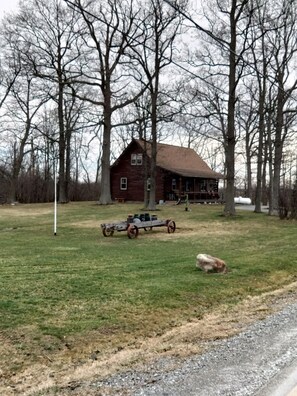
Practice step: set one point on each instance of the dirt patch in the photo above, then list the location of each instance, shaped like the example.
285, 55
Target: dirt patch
80, 362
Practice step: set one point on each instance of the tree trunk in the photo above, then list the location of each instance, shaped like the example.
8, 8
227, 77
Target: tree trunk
152, 193
146, 172
13, 190
62, 143
229, 209
278, 147
265, 191
248, 167
105, 195
68, 162
269, 158
262, 97
258, 198
18, 157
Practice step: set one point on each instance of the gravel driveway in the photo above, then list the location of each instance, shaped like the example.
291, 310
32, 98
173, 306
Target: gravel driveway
259, 361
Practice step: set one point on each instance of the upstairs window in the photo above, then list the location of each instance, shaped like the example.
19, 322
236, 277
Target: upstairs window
136, 159
139, 159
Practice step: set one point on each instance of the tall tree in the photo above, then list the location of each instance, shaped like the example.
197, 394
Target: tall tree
227, 25
261, 60
236, 13
48, 38
111, 31
26, 99
160, 25
282, 43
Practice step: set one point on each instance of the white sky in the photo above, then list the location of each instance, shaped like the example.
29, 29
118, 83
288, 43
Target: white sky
7, 6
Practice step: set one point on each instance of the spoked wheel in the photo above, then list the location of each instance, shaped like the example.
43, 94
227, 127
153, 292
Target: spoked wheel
171, 226
132, 231
107, 232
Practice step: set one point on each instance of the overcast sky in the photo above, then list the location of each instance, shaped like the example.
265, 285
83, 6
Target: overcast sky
7, 6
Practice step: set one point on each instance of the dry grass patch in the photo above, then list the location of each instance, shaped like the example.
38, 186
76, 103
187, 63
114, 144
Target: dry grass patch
20, 210
69, 367
95, 224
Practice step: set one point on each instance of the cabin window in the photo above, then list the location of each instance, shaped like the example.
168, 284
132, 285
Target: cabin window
136, 159
203, 185
139, 159
188, 185
123, 183
133, 159
148, 184
173, 184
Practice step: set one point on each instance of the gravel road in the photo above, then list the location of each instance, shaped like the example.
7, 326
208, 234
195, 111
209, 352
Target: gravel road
260, 361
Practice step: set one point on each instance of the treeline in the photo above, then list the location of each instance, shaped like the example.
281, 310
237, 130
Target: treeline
35, 188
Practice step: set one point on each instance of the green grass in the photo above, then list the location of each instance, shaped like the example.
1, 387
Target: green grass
79, 282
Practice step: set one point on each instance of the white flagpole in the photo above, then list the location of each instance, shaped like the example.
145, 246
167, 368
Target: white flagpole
55, 198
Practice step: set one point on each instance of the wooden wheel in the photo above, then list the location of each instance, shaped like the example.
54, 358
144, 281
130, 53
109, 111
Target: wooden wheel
107, 232
132, 231
171, 226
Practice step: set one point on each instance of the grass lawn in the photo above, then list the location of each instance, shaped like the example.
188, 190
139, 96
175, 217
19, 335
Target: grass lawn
79, 291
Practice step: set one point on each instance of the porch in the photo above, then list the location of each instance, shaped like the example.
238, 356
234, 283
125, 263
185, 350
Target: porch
195, 190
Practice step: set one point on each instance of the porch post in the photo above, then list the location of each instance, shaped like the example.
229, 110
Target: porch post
180, 186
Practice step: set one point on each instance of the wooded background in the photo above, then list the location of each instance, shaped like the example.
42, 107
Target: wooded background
80, 78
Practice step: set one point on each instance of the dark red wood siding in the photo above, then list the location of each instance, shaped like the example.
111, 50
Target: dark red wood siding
133, 173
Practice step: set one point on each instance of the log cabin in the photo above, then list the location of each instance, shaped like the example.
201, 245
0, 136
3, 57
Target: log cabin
181, 174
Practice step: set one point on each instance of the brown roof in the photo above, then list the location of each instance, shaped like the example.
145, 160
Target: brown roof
181, 160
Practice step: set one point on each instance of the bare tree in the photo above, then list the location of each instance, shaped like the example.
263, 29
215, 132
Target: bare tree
283, 45
160, 25
236, 13
26, 103
24, 98
111, 30
227, 28
48, 39
261, 60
